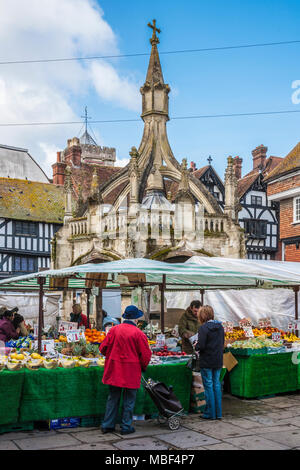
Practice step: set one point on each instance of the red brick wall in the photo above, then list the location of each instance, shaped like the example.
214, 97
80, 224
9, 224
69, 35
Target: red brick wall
286, 220
292, 253
285, 185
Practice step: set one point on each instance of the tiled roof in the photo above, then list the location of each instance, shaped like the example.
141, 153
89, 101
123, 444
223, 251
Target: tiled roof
289, 163
246, 182
198, 173
28, 200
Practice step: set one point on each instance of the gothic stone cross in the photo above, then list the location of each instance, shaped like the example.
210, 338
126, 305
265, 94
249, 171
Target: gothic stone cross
154, 29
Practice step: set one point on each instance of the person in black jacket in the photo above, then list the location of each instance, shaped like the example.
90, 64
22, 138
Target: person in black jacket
211, 346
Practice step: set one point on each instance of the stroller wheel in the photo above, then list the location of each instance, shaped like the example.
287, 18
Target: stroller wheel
174, 423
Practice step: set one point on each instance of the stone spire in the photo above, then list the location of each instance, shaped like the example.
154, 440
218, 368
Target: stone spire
68, 187
155, 91
231, 200
155, 180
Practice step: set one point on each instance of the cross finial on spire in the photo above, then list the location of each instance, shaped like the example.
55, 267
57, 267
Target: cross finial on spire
154, 39
209, 160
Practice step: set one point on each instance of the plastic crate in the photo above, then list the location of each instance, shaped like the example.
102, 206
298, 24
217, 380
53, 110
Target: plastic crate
63, 423
17, 427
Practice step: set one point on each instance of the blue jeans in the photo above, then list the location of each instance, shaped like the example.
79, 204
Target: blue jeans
213, 393
112, 408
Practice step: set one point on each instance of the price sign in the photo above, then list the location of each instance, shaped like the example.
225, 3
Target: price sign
245, 322
74, 336
65, 326
294, 326
248, 331
35, 330
47, 346
264, 322
276, 336
160, 341
228, 326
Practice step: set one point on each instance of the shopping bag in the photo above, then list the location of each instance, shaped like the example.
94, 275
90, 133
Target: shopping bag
194, 363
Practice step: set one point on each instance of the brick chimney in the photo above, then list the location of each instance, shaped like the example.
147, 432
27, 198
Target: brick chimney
72, 153
59, 171
259, 155
237, 165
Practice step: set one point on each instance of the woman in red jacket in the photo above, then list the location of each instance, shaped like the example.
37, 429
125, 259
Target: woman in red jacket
127, 355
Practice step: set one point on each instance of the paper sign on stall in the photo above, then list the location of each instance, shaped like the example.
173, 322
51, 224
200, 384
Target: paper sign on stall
74, 336
47, 346
276, 336
228, 326
264, 323
248, 331
245, 322
65, 326
160, 341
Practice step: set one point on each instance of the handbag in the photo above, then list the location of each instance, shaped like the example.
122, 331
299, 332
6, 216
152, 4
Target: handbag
194, 363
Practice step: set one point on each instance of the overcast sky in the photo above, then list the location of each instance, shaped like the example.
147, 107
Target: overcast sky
204, 83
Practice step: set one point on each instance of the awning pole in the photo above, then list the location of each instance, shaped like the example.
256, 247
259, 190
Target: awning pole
202, 296
162, 304
88, 293
99, 309
41, 281
296, 290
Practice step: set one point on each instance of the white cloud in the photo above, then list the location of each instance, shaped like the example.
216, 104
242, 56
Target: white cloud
122, 162
49, 92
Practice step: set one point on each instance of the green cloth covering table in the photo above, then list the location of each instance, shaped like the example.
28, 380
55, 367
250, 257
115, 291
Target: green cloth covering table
48, 394
264, 374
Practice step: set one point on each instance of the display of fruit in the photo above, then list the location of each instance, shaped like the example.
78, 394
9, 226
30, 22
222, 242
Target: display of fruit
94, 336
50, 363
34, 364
256, 343
101, 361
163, 352
62, 339
68, 363
14, 364
81, 362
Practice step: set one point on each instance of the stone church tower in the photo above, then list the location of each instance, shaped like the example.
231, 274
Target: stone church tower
154, 207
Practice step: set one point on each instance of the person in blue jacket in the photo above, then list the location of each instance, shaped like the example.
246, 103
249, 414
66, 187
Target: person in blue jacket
210, 345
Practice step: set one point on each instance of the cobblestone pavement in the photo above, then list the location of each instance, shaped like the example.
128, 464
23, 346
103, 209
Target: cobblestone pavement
269, 423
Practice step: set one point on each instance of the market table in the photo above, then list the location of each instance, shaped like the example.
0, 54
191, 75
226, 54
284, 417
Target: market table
48, 394
264, 374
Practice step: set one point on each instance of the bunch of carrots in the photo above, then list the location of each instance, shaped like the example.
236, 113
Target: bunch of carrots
94, 336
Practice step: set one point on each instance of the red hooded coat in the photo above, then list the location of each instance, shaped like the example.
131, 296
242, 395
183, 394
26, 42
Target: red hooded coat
127, 355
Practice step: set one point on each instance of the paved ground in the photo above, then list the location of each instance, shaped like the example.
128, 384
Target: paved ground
270, 423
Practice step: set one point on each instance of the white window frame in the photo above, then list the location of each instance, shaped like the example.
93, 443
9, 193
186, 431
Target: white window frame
295, 220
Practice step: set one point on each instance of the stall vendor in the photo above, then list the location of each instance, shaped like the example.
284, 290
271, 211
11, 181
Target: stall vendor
188, 325
7, 329
18, 321
78, 317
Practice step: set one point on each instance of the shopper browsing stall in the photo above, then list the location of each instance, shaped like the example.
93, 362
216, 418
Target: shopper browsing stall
188, 325
211, 346
127, 355
7, 329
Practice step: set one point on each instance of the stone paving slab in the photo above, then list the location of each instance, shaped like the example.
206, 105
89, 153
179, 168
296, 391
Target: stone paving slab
255, 443
146, 443
94, 446
294, 421
10, 436
146, 428
220, 430
222, 446
47, 442
8, 445
242, 423
290, 439
96, 435
187, 439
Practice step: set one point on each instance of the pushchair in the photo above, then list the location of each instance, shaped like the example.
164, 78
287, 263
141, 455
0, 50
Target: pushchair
169, 407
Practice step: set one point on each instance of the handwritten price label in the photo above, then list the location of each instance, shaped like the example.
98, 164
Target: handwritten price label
276, 336
74, 336
248, 331
228, 326
65, 326
47, 346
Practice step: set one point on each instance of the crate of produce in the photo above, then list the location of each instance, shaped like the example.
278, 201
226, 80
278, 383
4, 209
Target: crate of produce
17, 427
63, 423
247, 351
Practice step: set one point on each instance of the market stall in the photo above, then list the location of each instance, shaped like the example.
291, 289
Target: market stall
47, 399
